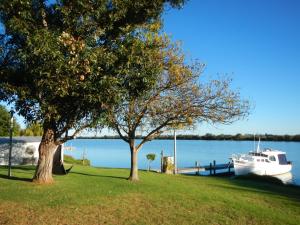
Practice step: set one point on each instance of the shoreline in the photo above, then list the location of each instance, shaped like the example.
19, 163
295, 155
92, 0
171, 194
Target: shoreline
274, 138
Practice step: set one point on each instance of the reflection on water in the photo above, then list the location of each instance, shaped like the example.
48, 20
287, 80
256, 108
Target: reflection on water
286, 178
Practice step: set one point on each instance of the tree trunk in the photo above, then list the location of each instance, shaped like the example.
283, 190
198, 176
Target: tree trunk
47, 148
134, 165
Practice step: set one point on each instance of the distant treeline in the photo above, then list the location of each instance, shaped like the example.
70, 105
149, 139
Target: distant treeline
219, 137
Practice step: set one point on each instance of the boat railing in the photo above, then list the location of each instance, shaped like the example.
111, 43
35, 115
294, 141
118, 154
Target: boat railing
235, 156
243, 157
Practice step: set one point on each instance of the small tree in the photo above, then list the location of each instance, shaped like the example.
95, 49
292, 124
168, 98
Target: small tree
161, 93
5, 123
33, 129
151, 158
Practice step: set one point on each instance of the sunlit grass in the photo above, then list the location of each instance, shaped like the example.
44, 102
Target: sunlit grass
91, 195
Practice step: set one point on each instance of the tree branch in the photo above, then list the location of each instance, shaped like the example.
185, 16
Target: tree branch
67, 138
151, 135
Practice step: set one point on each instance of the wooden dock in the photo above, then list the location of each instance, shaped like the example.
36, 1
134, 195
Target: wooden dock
190, 170
212, 168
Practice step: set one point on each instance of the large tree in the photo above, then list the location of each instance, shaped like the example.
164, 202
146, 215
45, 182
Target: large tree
58, 60
161, 92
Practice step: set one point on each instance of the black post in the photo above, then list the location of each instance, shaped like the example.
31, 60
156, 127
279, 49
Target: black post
10, 141
229, 165
197, 166
214, 167
210, 168
161, 160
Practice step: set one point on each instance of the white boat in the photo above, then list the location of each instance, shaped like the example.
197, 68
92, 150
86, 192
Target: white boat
266, 162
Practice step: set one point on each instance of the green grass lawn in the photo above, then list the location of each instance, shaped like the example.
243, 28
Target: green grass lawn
90, 195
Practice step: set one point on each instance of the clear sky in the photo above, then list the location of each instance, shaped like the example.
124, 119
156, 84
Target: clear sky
257, 43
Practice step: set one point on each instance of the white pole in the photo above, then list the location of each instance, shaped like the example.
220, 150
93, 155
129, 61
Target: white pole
10, 141
254, 143
258, 148
175, 163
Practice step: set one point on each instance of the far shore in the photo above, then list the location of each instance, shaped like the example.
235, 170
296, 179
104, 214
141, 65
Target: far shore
212, 137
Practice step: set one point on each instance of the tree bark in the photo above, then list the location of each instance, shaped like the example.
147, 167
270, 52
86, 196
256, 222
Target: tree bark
47, 148
134, 164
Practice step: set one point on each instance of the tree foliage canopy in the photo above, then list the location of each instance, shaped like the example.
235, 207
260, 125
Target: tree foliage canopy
151, 156
56, 58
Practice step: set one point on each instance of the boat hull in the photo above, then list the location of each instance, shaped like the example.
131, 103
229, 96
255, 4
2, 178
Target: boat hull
244, 168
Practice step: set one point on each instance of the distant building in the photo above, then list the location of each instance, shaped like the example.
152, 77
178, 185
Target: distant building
24, 150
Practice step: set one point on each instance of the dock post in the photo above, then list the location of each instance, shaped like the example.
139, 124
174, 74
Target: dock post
229, 164
210, 168
161, 160
175, 154
214, 167
197, 166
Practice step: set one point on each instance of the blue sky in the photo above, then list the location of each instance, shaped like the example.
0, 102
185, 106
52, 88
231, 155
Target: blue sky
257, 43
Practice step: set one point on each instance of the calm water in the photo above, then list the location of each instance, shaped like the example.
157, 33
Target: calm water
115, 153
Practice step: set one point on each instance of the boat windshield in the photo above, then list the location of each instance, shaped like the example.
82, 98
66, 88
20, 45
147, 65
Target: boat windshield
282, 159
257, 154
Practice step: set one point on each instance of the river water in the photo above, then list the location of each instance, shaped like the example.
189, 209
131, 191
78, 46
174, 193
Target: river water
115, 152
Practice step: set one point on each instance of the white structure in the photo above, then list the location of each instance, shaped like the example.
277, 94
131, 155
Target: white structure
267, 162
24, 150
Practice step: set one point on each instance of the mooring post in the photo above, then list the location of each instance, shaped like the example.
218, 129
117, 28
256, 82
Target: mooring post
175, 154
229, 165
161, 160
197, 166
214, 167
210, 168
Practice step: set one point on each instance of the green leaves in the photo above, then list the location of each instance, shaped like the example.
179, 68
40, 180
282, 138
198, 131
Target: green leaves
62, 61
151, 156
5, 123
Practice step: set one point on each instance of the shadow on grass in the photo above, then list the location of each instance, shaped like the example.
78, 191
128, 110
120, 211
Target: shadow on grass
264, 185
97, 175
225, 174
258, 184
18, 169
15, 178
27, 168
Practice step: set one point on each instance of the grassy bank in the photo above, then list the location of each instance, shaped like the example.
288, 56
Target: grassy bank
103, 196
71, 160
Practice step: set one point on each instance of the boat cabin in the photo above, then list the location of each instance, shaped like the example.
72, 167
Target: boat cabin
269, 155
267, 162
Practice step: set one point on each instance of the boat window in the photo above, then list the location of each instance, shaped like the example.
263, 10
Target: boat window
258, 160
282, 159
272, 158
257, 154
267, 160
262, 160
